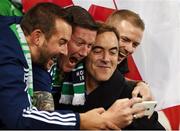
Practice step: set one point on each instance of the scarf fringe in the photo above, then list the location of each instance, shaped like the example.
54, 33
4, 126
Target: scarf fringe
66, 99
78, 99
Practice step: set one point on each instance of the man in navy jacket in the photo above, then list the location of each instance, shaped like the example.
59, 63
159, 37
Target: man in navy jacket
27, 45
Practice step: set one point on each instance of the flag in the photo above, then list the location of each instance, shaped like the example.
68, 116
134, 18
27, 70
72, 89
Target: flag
27, 4
157, 59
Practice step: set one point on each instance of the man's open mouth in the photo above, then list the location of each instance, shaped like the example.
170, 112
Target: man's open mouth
73, 60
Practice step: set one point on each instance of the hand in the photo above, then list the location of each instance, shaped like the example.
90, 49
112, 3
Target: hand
93, 120
121, 112
144, 90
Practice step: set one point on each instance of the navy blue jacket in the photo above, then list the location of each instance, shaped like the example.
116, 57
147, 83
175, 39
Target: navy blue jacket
15, 111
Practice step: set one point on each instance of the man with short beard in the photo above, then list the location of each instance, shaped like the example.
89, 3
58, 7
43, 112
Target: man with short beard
25, 45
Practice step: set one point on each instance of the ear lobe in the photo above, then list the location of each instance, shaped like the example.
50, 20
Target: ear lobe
37, 37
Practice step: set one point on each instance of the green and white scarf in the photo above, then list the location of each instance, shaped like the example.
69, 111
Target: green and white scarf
73, 86
26, 51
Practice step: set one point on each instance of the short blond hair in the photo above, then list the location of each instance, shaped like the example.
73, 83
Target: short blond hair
128, 15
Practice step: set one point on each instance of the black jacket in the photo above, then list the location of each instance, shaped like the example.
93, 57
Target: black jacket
106, 94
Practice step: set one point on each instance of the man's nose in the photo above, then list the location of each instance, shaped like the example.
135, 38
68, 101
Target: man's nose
64, 50
84, 51
106, 57
130, 48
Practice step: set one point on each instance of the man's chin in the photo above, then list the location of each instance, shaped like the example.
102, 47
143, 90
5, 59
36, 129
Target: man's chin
66, 69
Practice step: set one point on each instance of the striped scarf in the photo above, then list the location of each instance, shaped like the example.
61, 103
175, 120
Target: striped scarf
73, 85
28, 78
27, 54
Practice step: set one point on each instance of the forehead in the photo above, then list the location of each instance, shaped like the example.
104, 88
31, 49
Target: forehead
85, 34
63, 28
106, 40
62, 25
130, 31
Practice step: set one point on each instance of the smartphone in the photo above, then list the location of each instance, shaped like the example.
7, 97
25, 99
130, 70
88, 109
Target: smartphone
148, 105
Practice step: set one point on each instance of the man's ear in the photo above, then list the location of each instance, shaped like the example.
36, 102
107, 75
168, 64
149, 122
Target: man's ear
37, 37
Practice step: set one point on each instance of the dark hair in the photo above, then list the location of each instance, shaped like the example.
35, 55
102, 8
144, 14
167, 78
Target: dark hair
107, 28
82, 18
42, 16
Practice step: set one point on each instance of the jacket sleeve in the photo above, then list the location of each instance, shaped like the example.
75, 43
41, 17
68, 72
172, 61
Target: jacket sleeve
146, 124
15, 111
141, 123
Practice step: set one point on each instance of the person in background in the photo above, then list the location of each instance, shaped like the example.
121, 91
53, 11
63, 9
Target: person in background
131, 28
26, 45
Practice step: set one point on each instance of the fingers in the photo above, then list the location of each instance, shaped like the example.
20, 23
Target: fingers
136, 91
135, 100
119, 104
139, 114
147, 97
138, 111
143, 89
129, 119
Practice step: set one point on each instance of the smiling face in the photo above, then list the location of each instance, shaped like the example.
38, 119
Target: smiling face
78, 48
56, 44
103, 59
130, 38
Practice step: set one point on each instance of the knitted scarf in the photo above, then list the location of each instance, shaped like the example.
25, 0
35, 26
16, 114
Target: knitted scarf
28, 78
72, 87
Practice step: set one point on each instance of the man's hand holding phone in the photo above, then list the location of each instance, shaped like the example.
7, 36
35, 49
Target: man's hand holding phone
149, 107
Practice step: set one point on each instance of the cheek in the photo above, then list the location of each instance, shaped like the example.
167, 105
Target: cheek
115, 61
53, 50
90, 65
72, 48
122, 44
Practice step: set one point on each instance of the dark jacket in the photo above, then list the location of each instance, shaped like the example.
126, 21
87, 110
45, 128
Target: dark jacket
107, 93
15, 110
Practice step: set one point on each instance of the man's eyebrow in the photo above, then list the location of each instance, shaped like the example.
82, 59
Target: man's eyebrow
80, 39
95, 47
114, 48
126, 38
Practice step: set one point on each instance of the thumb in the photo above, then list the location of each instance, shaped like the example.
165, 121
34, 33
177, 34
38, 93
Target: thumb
135, 92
